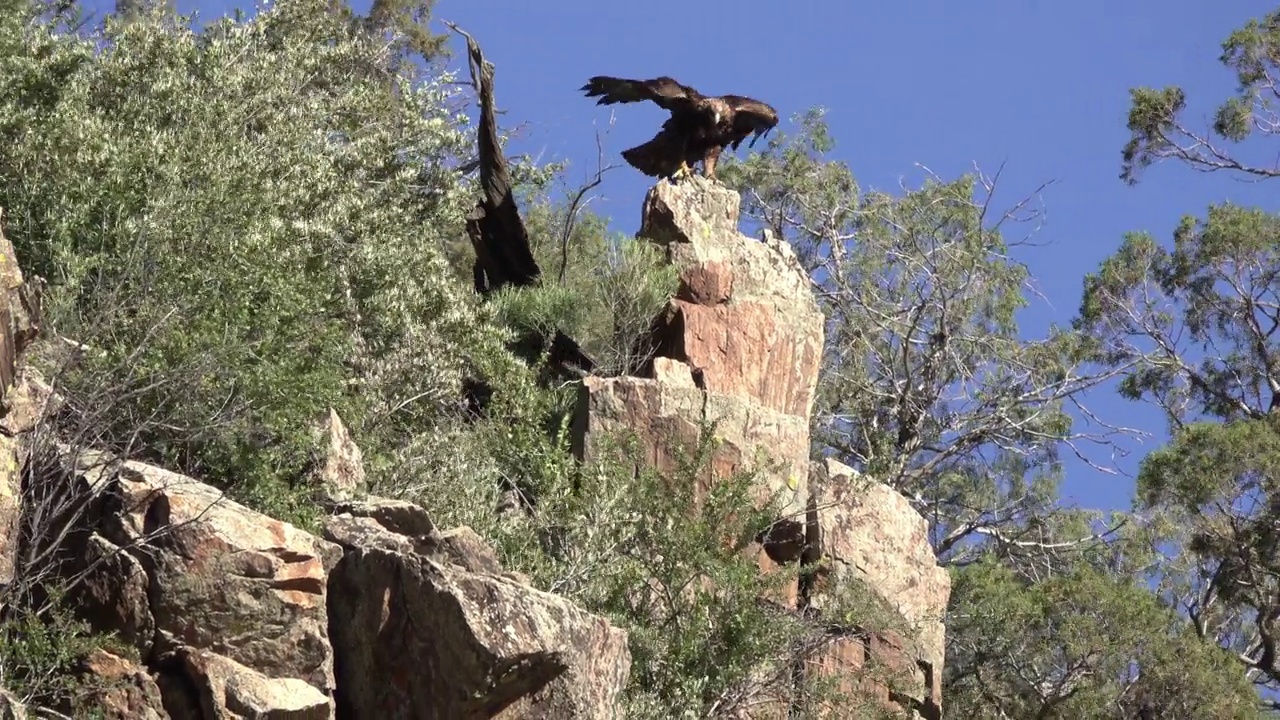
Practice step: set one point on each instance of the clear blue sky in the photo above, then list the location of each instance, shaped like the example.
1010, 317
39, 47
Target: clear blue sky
1042, 86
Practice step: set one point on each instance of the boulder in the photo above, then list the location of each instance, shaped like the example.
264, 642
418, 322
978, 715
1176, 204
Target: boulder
428, 626
181, 568
863, 533
200, 685
114, 593
125, 690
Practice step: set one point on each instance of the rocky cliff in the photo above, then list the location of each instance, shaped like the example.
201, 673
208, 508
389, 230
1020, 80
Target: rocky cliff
226, 613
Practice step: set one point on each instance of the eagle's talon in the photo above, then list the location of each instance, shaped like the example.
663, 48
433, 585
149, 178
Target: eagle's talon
682, 172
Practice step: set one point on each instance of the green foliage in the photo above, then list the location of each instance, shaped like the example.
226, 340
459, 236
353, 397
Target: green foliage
666, 557
1082, 643
41, 655
1157, 131
1208, 462
247, 225
1152, 117
241, 207
1218, 485
1193, 325
407, 22
1195, 322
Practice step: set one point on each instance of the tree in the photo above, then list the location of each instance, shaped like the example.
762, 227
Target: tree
1197, 322
1082, 642
926, 384
1159, 133
929, 384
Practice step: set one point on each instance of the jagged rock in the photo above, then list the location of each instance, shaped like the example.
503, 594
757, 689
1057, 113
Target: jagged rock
399, 516
219, 576
339, 466
461, 546
200, 685
665, 415
24, 397
745, 316
426, 627
30, 400
129, 692
19, 314
114, 593
22, 409
741, 343
11, 451
689, 212
865, 532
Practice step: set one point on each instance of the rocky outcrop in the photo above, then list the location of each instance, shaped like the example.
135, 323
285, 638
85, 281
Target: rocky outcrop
737, 348
740, 346
19, 327
448, 634
863, 534
123, 689
744, 317
200, 684
184, 574
236, 615
233, 614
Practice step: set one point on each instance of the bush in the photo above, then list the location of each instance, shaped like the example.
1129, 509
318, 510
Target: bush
249, 201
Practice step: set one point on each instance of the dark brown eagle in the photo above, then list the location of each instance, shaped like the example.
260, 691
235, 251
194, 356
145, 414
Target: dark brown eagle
699, 129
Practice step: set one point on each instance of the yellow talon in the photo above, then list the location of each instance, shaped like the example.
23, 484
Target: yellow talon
681, 172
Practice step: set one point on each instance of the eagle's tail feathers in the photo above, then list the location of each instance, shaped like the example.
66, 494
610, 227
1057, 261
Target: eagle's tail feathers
655, 158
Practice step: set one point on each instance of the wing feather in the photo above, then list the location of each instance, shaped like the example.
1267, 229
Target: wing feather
750, 117
666, 92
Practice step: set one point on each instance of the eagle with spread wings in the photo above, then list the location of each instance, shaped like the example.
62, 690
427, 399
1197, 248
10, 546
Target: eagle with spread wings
699, 129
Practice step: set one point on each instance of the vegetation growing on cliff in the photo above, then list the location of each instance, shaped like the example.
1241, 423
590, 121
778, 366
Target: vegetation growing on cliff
253, 222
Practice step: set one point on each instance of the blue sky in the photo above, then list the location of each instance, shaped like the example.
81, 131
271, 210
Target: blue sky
1041, 86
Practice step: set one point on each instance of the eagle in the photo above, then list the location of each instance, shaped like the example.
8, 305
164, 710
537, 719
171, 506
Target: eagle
699, 129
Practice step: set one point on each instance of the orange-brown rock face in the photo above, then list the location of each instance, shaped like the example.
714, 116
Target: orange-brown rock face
739, 345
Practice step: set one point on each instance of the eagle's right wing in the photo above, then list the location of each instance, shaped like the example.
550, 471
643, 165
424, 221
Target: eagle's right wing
750, 117
666, 92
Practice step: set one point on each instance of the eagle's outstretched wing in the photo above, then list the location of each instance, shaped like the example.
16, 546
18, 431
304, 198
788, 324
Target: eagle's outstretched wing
750, 117
666, 92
